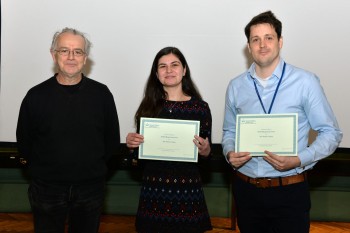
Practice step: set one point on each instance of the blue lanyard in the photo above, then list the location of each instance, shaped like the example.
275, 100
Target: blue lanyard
274, 95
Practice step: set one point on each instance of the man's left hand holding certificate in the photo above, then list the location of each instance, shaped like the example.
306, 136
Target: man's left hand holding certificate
168, 139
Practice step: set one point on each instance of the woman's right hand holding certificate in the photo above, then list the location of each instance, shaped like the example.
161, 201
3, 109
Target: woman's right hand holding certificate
133, 140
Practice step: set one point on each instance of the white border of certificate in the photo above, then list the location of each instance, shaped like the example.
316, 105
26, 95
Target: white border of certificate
277, 133
168, 139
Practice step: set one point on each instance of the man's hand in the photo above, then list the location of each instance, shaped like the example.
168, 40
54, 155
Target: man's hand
282, 163
238, 159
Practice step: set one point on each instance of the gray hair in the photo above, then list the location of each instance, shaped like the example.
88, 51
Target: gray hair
74, 32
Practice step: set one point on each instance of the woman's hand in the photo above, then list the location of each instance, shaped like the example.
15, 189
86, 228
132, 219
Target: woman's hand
203, 145
133, 140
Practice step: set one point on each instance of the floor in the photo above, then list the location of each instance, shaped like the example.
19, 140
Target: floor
22, 222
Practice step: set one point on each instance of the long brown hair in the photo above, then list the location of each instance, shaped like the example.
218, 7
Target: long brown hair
154, 94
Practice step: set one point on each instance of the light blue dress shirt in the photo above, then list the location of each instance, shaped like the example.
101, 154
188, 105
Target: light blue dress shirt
299, 92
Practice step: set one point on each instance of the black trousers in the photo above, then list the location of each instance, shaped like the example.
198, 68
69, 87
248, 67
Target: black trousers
283, 209
53, 205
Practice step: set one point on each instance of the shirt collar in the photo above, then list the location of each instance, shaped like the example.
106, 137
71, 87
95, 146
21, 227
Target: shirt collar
276, 73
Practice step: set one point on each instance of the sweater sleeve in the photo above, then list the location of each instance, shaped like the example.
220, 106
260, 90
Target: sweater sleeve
206, 127
112, 132
24, 131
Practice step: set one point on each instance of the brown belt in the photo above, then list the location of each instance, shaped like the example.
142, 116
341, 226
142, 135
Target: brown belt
266, 182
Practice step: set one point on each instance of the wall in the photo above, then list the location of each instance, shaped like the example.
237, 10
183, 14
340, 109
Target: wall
122, 192
329, 186
127, 34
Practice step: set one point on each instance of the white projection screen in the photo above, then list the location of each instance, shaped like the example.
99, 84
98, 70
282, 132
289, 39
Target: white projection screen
126, 35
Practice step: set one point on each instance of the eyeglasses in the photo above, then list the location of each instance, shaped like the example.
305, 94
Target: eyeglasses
75, 52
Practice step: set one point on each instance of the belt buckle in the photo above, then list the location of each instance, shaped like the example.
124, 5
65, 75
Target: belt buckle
263, 182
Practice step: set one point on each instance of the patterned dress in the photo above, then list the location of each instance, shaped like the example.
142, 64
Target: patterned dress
172, 197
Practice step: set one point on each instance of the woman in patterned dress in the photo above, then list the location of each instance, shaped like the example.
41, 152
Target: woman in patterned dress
172, 197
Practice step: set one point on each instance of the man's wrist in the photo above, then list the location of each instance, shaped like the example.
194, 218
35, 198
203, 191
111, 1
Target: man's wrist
228, 160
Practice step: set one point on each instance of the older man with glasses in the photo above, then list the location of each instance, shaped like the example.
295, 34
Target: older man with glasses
67, 130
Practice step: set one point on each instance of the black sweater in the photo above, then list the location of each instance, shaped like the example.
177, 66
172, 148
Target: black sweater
67, 133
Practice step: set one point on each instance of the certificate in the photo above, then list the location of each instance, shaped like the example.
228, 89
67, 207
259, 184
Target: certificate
277, 133
168, 139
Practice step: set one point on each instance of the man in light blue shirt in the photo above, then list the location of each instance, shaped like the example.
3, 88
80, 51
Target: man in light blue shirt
271, 192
